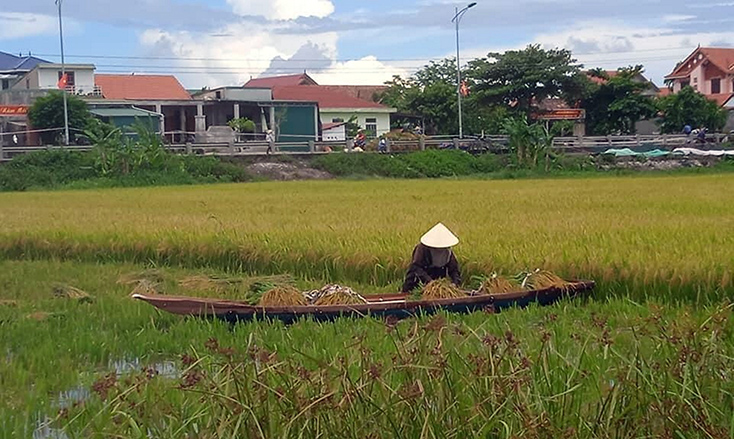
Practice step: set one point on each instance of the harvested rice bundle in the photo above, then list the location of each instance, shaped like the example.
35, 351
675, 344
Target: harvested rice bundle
152, 275
441, 289
541, 279
497, 285
68, 292
336, 295
146, 287
283, 296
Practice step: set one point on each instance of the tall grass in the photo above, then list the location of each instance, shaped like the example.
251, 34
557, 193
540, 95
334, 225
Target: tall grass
659, 236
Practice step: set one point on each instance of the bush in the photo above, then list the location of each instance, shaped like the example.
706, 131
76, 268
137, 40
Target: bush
47, 169
61, 168
430, 163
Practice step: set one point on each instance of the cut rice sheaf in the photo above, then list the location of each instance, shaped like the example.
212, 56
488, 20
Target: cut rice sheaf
283, 296
441, 289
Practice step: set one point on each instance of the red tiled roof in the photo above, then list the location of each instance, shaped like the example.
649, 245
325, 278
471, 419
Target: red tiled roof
366, 92
722, 58
142, 87
665, 91
598, 80
325, 96
720, 98
280, 81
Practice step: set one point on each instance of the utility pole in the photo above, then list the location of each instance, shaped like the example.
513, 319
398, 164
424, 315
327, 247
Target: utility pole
63, 75
456, 20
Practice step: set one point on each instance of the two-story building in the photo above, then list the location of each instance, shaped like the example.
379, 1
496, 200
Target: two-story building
708, 70
46, 76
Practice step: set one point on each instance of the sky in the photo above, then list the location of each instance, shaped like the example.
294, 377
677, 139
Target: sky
227, 42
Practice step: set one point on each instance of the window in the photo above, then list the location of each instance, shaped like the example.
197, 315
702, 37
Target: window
28, 84
69, 79
370, 125
6, 84
716, 86
695, 80
337, 120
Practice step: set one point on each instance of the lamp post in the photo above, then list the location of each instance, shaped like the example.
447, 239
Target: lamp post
456, 20
63, 75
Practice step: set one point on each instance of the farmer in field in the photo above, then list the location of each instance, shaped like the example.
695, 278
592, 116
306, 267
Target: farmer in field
433, 259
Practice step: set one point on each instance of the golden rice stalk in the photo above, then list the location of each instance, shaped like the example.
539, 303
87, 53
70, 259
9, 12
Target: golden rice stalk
68, 292
152, 275
337, 295
146, 287
542, 279
497, 285
283, 296
441, 289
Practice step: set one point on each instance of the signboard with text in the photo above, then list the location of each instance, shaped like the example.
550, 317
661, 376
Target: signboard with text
13, 110
563, 114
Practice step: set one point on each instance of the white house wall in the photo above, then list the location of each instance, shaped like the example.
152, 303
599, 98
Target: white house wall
383, 119
83, 79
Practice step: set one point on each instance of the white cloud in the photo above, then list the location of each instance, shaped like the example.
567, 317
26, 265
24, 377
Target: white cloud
365, 71
16, 25
283, 9
232, 56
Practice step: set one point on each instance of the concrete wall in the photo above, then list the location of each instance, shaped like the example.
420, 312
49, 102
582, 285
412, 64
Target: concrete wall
383, 119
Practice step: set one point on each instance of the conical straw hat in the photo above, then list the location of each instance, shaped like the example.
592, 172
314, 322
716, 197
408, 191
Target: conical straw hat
439, 237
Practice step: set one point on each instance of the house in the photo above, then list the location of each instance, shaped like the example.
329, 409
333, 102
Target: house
47, 76
12, 68
710, 71
336, 104
652, 90
291, 120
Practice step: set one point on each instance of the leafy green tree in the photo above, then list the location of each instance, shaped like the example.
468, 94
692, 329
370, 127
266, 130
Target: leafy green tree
524, 78
242, 125
47, 112
688, 107
615, 105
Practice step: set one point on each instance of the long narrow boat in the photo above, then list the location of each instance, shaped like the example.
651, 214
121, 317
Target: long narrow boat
393, 305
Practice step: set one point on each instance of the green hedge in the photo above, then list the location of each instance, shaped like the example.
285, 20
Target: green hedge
424, 164
53, 169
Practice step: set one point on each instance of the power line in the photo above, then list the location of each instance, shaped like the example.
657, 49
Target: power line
183, 58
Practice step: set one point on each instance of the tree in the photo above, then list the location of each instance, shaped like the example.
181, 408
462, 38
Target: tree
47, 112
430, 94
688, 107
617, 104
523, 78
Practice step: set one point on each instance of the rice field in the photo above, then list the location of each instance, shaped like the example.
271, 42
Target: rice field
649, 355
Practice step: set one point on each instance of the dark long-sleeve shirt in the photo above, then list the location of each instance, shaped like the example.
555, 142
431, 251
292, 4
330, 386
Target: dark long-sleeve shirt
421, 270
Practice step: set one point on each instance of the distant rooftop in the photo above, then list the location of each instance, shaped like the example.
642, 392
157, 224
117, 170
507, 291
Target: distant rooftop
141, 87
10, 62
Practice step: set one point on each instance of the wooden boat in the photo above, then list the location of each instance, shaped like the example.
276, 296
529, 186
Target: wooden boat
392, 305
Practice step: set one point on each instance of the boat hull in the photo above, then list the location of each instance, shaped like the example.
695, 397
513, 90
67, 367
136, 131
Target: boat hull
387, 306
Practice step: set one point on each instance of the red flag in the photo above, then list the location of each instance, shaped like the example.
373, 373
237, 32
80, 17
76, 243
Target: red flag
63, 81
464, 89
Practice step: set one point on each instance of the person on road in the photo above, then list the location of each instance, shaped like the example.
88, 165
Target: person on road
433, 258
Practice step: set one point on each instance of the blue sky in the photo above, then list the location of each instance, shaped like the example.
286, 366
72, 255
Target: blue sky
225, 42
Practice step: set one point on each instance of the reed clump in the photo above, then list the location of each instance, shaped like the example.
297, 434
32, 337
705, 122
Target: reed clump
441, 289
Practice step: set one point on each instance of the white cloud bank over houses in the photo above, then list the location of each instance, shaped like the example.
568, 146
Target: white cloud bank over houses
238, 52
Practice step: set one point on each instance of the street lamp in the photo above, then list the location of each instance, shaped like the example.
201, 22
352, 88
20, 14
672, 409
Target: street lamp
63, 75
456, 20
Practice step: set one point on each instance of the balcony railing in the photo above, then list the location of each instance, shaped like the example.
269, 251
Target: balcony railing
83, 90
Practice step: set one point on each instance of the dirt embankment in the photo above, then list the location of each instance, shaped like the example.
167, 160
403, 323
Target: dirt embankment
296, 170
